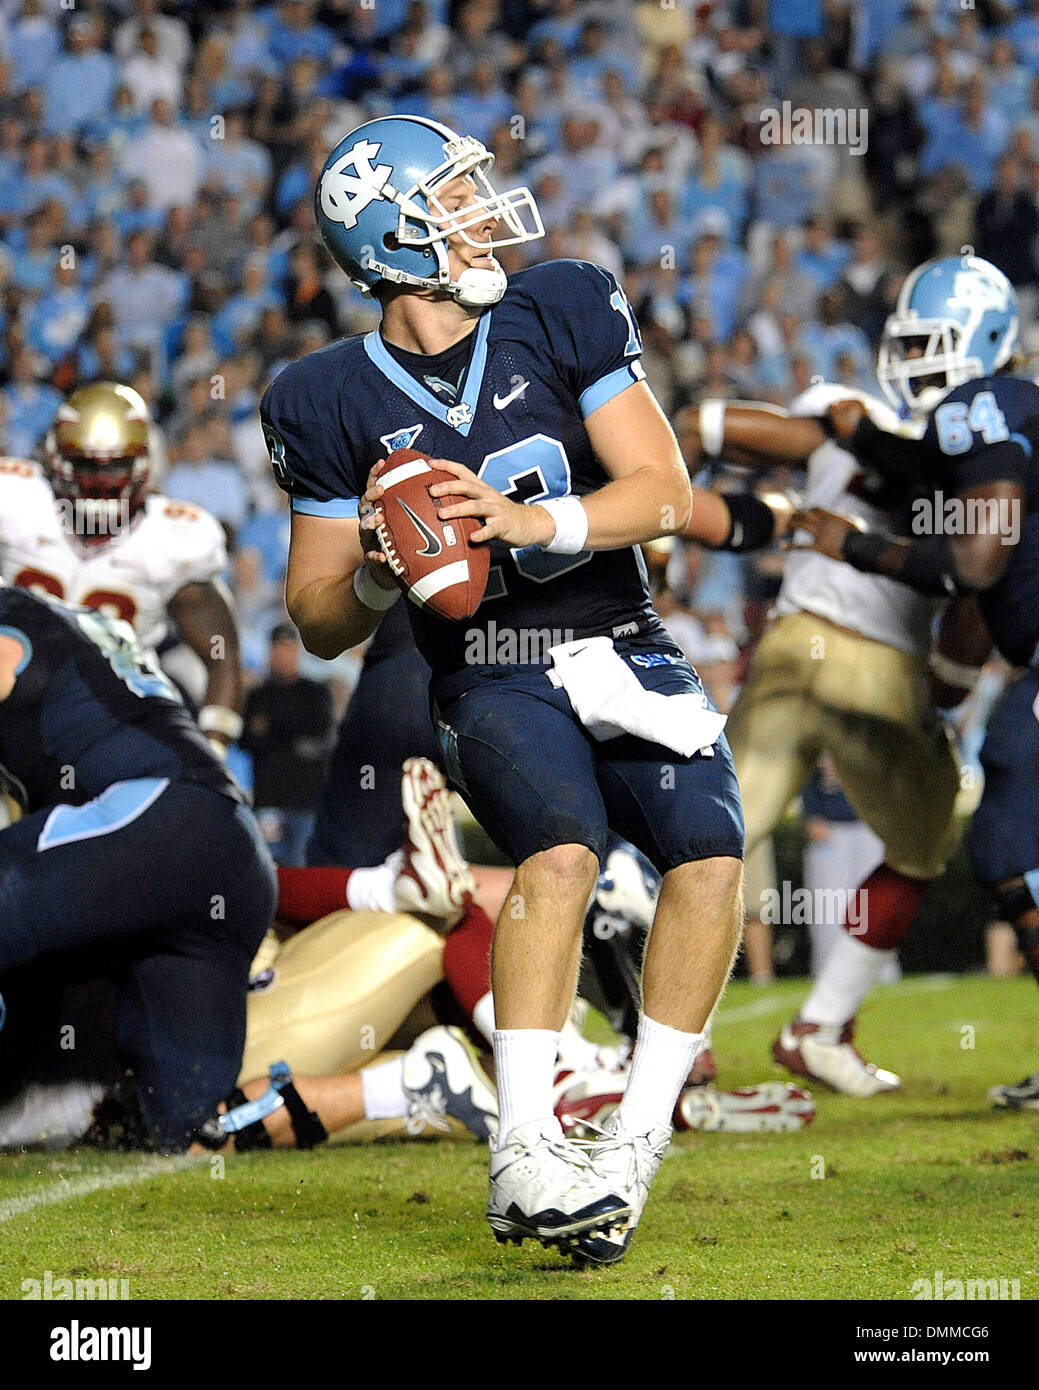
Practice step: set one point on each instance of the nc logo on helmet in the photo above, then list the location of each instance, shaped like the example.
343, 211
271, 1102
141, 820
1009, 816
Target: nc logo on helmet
975, 292
345, 196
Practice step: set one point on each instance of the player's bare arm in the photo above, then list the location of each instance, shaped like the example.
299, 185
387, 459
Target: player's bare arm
746, 433
203, 613
324, 556
940, 564
962, 647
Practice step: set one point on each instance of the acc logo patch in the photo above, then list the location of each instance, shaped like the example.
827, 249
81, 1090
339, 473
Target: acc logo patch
345, 196
400, 439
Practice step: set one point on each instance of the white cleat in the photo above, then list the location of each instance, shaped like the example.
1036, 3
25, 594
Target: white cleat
774, 1107
585, 1098
544, 1187
432, 879
442, 1076
630, 1161
828, 1054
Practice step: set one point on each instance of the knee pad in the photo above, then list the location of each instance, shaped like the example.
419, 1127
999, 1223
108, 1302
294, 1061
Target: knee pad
243, 1119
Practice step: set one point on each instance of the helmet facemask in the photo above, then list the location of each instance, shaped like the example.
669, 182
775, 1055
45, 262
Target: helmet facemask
424, 221
919, 382
97, 456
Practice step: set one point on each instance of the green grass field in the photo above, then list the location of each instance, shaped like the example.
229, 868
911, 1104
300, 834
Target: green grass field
931, 1179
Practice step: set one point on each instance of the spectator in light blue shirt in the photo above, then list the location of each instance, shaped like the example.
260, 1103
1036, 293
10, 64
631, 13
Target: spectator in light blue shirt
32, 269
789, 185
483, 105
33, 43
79, 85
1010, 84
59, 317
831, 337
237, 165
207, 480
822, 257
1023, 33
294, 34
29, 407
36, 183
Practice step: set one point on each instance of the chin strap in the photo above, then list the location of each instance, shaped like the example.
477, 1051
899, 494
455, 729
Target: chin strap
478, 289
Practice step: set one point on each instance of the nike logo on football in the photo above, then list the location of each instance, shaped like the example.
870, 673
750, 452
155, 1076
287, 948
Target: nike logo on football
433, 546
518, 385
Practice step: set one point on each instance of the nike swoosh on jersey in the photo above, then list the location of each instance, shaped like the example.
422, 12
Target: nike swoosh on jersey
433, 546
500, 402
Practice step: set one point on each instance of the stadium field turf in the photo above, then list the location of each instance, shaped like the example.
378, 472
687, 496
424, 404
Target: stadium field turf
871, 1197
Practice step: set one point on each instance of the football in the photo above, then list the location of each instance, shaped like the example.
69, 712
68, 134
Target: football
432, 560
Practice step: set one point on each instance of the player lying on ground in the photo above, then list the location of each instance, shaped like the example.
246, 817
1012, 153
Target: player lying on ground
948, 353
134, 844
523, 390
330, 999
842, 670
85, 526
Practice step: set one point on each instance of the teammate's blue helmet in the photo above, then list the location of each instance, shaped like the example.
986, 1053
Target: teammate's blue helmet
960, 315
379, 216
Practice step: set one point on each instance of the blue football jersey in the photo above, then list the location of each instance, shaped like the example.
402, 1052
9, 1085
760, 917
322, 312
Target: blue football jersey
89, 709
560, 343
988, 431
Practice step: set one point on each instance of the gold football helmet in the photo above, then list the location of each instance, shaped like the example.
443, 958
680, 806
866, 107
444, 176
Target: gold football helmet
97, 456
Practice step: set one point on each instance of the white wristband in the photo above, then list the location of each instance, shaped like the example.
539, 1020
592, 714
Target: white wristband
571, 521
218, 719
712, 427
371, 593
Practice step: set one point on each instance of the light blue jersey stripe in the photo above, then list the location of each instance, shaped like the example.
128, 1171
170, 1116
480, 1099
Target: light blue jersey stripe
117, 806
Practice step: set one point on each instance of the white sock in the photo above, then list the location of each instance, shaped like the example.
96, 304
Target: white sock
383, 1091
483, 1015
371, 890
660, 1065
849, 973
524, 1065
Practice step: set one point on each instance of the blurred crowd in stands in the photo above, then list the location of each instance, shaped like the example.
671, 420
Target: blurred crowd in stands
157, 165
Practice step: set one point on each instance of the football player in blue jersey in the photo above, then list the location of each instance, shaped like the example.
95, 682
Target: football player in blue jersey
948, 350
135, 858
530, 392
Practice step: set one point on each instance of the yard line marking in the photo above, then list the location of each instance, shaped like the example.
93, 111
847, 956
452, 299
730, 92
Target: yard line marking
762, 1008
66, 1191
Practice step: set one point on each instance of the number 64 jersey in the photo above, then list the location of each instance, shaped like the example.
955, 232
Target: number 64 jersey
559, 344
131, 575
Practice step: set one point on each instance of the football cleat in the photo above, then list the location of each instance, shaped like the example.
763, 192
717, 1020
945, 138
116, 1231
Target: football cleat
827, 1055
441, 1077
630, 1161
705, 1070
774, 1107
582, 1101
544, 1187
432, 879
1024, 1095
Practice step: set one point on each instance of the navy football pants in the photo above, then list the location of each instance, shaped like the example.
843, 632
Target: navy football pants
169, 888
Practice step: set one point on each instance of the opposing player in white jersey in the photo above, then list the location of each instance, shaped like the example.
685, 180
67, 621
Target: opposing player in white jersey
842, 670
84, 527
